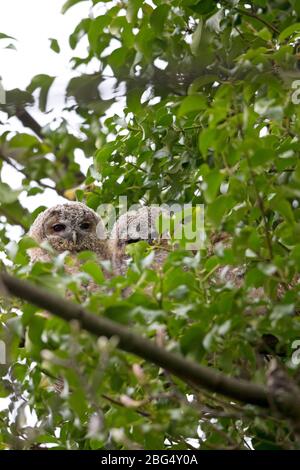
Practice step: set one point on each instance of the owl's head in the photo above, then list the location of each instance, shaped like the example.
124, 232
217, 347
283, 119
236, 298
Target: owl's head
71, 226
137, 225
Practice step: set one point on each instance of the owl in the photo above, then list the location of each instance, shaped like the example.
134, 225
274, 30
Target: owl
234, 276
71, 227
134, 226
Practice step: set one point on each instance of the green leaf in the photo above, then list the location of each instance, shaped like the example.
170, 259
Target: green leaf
94, 270
24, 141
294, 28
202, 7
20, 371
196, 38
192, 341
42, 82
132, 9
96, 30
15, 98
201, 82
8, 195
191, 103
54, 45
69, 4
134, 99
85, 88
281, 205
78, 402
35, 329
219, 208
159, 17
5, 388
117, 57
207, 139
213, 181
5, 36
262, 156
26, 242
103, 154
81, 29
296, 6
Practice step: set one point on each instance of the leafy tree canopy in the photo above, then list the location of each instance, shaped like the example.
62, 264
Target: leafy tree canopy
210, 98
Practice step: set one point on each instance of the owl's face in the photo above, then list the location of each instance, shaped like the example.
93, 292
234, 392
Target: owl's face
72, 226
70, 233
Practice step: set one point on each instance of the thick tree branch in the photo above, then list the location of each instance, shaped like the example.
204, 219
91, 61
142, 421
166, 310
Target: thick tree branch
187, 370
28, 121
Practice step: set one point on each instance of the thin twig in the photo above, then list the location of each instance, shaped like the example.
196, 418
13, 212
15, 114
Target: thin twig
258, 18
262, 209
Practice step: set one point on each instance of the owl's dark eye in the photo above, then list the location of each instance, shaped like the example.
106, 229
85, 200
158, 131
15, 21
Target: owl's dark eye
85, 226
58, 227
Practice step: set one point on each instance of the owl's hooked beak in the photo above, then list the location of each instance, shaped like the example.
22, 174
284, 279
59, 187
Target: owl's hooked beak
74, 237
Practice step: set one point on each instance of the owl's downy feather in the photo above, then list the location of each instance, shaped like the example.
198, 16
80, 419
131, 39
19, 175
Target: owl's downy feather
136, 225
71, 227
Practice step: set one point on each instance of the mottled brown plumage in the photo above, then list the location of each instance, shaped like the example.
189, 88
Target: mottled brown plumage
133, 226
71, 227
234, 276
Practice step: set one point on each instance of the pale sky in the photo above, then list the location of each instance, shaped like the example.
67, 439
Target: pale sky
32, 23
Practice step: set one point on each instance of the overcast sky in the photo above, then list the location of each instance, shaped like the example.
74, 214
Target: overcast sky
32, 23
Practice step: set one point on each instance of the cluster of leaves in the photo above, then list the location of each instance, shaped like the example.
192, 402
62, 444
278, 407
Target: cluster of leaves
210, 117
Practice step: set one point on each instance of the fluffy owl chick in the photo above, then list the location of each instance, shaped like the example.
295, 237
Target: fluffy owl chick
134, 226
71, 227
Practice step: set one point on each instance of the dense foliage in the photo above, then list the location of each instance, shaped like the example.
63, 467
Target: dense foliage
210, 117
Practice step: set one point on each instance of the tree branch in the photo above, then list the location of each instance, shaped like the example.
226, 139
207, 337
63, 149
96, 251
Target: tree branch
11, 162
11, 219
187, 370
258, 18
261, 206
28, 121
